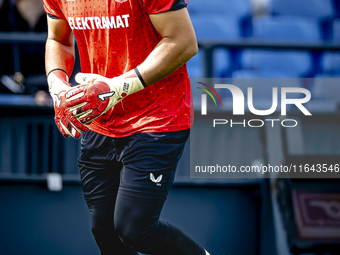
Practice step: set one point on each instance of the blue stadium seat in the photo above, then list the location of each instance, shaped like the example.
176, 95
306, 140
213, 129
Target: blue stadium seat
211, 27
276, 63
195, 66
221, 59
240, 10
336, 30
286, 28
227, 8
262, 63
215, 27
330, 63
222, 62
321, 9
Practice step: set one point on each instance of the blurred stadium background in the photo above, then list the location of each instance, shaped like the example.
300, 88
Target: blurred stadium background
237, 39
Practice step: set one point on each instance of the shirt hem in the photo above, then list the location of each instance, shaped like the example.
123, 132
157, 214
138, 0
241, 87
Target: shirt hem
172, 128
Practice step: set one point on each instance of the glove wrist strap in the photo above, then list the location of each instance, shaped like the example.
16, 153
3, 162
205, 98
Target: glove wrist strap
57, 80
140, 77
57, 69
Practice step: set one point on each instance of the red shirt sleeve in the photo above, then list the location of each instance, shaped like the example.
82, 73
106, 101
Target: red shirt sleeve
53, 7
158, 6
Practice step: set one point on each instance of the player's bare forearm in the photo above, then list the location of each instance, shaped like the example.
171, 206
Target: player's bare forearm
59, 46
59, 56
178, 45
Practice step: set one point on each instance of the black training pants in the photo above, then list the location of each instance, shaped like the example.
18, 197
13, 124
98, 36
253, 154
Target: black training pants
125, 183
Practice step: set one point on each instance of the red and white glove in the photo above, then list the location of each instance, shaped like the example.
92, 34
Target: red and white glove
98, 95
67, 124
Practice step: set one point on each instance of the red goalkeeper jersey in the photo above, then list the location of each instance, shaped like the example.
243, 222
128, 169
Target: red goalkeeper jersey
115, 36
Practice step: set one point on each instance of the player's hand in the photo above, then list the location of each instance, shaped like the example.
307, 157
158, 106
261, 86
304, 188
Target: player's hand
98, 95
67, 124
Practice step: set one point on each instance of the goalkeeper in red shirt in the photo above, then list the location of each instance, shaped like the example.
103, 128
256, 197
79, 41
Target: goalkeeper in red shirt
134, 109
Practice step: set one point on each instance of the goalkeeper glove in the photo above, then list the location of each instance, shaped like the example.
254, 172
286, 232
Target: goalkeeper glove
67, 124
91, 100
